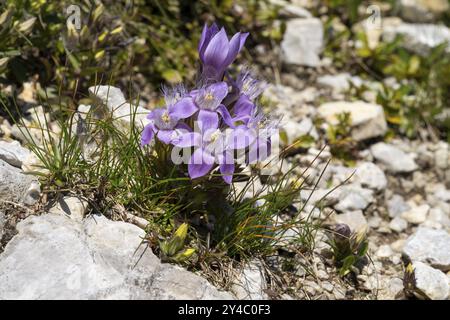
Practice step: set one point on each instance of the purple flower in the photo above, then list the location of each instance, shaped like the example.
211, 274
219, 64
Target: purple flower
255, 133
217, 52
211, 147
165, 122
208, 100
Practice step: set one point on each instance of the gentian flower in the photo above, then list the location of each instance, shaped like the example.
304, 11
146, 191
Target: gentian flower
165, 122
217, 52
208, 101
211, 147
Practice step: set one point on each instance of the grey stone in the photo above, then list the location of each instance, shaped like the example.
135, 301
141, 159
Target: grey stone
14, 185
2, 223
430, 283
416, 215
291, 10
339, 82
393, 158
251, 282
302, 42
55, 257
326, 196
13, 153
397, 205
419, 38
367, 120
398, 224
430, 246
437, 219
422, 10
353, 197
384, 251
354, 219
111, 101
371, 176
75, 208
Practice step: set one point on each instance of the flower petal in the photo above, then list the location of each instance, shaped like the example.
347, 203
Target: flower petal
200, 163
241, 137
183, 109
165, 136
189, 139
217, 50
147, 134
207, 120
223, 111
227, 171
243, 109
207, 34
236, 44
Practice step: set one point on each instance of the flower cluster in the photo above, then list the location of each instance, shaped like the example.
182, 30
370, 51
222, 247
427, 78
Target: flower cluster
220, 117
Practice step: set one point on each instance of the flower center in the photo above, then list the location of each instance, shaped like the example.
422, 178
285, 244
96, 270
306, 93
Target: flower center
165, 117
209, 96
215, 135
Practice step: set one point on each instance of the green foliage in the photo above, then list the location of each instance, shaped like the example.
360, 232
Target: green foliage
339, 138
421, 98
155, 41
173, 249
349, 249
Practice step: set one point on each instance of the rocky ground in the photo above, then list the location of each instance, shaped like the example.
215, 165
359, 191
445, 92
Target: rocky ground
396, 191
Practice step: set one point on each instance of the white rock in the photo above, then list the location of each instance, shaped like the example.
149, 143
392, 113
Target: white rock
340, 82
442, 157
326, 196
419, 38
393, 158
398, 224
354, 219
111, 101
353, 197
430, 282
13, 153
290, 10
422, 10
75, 208
295, 130
2, 223
430, 246
416, 215
437, 219
396, 206
14, 185
371, 176
55, 257
367, 120
384, 251
302, 42
251, 282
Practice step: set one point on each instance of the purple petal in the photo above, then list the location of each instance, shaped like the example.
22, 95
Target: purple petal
218, 90
241, 137
223, 111
207, 34
183, 109
147, 134
243, 108
207, 120
189, 139
259, 150
217, 50
200, 163
227, 171
165, 136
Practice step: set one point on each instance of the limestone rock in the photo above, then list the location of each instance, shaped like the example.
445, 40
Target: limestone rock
55, 257
367, 120
302, 42
430, 246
